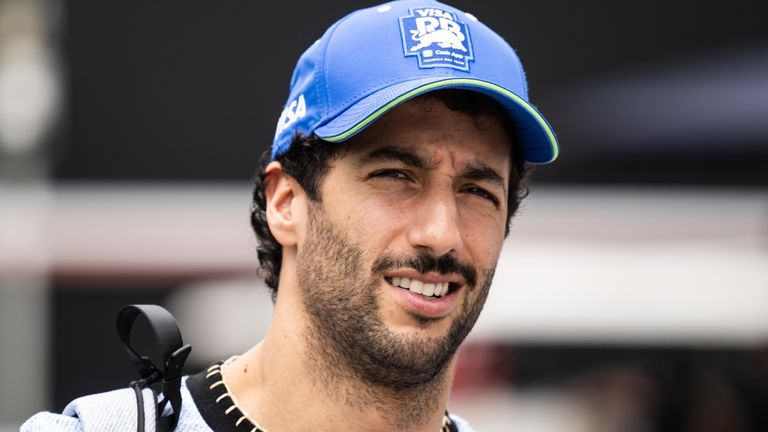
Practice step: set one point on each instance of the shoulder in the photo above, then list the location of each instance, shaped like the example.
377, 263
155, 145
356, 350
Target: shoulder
113, 411
461, 424
47, 421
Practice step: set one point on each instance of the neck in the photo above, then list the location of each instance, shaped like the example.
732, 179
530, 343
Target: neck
289, 382
416, 407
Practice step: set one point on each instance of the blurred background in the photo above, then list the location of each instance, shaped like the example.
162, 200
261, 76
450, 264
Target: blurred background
632, 293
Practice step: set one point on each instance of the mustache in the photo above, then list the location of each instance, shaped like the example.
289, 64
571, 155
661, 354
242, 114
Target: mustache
424, 262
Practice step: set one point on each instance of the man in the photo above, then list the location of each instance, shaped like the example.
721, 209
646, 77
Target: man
397, 163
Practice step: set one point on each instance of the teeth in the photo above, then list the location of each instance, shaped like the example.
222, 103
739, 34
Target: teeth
417, 286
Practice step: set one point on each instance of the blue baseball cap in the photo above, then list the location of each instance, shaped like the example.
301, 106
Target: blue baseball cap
377, 58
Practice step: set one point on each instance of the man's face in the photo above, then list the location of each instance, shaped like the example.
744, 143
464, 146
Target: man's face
398, 255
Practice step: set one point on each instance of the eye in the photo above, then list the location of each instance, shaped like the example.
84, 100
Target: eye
390, 174
482, 193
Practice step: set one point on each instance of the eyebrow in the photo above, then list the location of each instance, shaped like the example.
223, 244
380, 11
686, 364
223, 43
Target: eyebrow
482, 172
476, 171
392, 153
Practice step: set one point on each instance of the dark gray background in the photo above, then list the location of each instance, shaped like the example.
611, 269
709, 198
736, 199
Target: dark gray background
190, 90
654, 92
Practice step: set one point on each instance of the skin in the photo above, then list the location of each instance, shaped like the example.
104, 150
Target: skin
423, 180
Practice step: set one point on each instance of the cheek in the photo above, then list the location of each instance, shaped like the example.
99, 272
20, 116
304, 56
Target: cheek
377, 215
483, 239
369, 218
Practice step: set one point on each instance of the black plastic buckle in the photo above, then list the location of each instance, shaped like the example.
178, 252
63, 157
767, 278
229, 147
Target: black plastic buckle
175, 362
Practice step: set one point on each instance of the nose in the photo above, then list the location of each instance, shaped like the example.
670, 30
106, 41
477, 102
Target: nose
435, 225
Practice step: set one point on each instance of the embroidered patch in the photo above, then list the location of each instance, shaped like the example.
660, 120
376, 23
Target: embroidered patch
437, 38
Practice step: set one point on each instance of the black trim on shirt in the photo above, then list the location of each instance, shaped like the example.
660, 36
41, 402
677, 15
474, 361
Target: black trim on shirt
221, 416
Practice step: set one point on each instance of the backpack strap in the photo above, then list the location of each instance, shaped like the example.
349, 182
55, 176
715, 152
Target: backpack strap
168, 338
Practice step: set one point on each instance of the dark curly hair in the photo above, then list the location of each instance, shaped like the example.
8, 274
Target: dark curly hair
309, 159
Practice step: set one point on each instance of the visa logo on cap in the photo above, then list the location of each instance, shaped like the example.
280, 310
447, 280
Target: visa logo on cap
437, 38
294, 111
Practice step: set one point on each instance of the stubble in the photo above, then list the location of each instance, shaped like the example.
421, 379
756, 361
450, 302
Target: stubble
357, 360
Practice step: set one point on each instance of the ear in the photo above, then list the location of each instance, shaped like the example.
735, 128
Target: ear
285, 198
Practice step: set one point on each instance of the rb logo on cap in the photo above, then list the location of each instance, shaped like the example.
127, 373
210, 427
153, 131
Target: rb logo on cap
437, 38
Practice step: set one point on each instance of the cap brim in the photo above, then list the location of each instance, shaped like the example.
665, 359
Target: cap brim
536, 137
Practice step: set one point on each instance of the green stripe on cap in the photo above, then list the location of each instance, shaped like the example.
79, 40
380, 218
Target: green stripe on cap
446, 83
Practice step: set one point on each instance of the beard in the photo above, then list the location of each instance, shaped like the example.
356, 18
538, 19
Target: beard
347, 337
